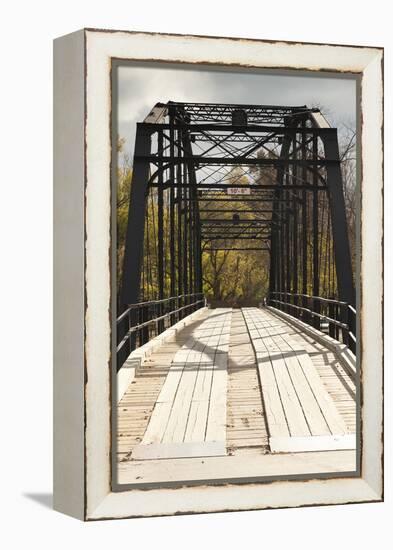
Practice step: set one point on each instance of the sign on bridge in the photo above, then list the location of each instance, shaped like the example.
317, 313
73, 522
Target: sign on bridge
238, 191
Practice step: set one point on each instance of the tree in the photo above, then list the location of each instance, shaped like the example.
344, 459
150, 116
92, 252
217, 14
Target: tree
124, 176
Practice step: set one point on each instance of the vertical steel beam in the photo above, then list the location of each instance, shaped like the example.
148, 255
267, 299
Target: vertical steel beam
346, 290
185, 242
160, 239
287, 252
315, 213
191, 245
198, 247
194, 256
172, 176
315, 227
179, 218
304, 218
131, 279
282, 252
295, 268
276, 252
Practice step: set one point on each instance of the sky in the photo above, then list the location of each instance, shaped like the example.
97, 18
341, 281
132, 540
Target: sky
140, 87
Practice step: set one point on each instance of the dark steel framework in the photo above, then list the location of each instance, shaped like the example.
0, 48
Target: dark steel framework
210, 177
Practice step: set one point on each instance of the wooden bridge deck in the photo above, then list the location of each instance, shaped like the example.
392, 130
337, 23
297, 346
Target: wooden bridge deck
236, 382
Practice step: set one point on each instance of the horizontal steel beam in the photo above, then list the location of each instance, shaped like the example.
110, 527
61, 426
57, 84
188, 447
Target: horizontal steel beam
238, 249
207, 186
242, 238
243, 160
257, 199
210, 106
263, 128
234, 210
238, 223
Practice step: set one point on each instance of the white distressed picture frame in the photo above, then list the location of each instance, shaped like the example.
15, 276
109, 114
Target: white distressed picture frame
82, 247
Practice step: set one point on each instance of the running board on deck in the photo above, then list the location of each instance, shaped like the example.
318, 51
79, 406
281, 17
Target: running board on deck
301, 415
189, 417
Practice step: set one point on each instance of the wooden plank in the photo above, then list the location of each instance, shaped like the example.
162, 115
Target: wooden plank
177, 422
334, 420
135, 409
313, 443
294, 414
315, 419
191, 406
158, 422
203, 382
168, 390
218, 467
277, 423
179, 450
216, 422
308, 408
197, 420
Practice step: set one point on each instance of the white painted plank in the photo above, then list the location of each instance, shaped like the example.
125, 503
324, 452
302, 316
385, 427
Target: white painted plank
198, 373
273, 336
233, 466
157, 423
315, 419
203, 382
293, 411
216, 422
315, 401
333, 418
177, 422
313, 443
179, 450
197, 421
168, 390
275, 415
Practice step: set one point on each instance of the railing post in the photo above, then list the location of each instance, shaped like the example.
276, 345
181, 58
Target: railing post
316, 309
138, 333
160, 308
134, 336
344, 320
332, 327
352, 329
144, 332
303, 315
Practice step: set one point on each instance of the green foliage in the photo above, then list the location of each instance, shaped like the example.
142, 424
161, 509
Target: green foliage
124, 176
234, 276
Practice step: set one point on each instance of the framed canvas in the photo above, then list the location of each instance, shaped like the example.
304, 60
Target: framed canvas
218, 274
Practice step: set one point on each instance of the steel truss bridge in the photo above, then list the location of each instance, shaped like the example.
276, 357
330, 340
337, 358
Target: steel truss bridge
194, 163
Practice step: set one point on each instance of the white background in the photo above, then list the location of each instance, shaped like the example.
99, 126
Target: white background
26, 299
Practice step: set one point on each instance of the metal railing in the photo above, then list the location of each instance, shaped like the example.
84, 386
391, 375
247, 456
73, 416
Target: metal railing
144, 320
338, 319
